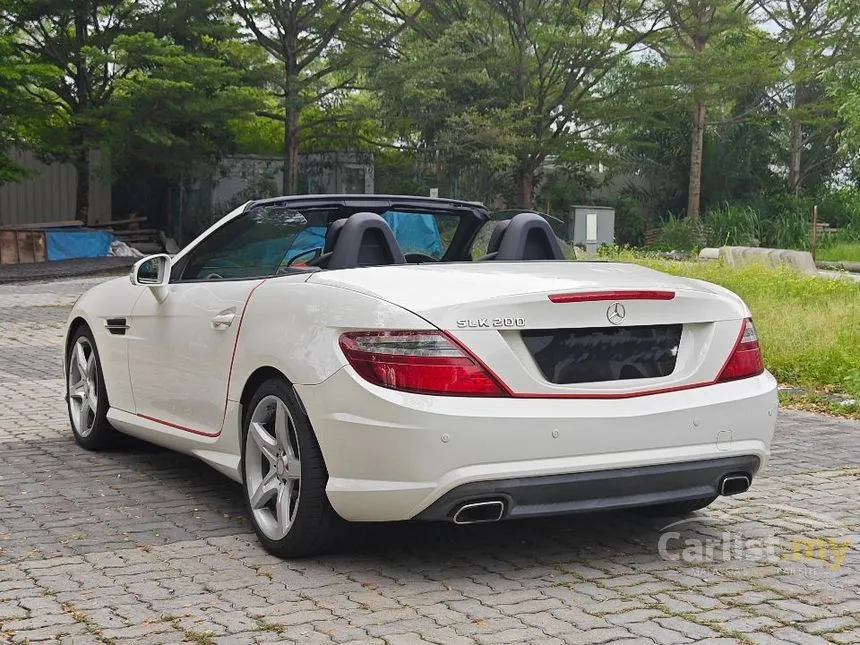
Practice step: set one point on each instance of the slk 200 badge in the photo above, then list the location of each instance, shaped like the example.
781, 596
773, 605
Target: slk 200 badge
476, 323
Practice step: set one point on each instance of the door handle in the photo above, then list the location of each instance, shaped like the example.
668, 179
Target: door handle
223, 320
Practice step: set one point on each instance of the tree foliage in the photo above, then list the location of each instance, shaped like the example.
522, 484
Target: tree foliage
317, 46
691, 103
510, 83
173, 109
20, 112
102, 57
811, 38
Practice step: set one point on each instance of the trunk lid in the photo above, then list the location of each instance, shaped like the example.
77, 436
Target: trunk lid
613, 330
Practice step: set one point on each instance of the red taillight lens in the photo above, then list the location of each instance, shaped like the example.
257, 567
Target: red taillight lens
745, 360
426, 362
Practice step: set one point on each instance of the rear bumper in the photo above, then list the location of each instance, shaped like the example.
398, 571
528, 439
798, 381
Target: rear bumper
391, 455
600, 490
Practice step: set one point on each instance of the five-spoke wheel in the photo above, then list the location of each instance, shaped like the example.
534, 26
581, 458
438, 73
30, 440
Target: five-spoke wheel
87, 397
273, 467
83, 386
284, 475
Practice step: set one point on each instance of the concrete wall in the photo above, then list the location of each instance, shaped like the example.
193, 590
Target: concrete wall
49, 196
736, 256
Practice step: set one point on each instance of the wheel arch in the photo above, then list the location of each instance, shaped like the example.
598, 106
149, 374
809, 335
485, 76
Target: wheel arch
72, 328
254, 381
74, 325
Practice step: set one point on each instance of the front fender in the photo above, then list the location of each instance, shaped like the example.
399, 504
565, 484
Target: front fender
111, 299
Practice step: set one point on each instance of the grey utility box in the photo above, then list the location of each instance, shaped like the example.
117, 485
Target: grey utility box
592, 226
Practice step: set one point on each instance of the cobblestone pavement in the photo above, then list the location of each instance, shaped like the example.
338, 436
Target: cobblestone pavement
142, 546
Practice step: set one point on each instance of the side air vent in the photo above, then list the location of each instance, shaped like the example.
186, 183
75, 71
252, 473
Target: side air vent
116, 326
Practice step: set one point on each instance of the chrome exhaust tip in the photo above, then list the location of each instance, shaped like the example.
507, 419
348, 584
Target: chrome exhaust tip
734, 484
479, 512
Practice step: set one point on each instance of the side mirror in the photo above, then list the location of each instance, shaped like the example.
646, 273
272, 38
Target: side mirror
154, 272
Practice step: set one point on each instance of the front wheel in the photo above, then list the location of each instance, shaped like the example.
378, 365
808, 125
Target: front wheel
285, 476
86, 393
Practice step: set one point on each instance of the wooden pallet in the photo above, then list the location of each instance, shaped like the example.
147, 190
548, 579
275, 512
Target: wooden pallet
22, 247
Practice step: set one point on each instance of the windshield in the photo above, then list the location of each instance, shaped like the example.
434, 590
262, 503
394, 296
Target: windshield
275, 238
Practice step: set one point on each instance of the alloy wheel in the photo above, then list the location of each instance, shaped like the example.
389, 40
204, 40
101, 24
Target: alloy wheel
83, 386
273, 470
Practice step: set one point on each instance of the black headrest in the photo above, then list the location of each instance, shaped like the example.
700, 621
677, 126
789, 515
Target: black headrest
496, 236
365, 240
332, 233
528, 236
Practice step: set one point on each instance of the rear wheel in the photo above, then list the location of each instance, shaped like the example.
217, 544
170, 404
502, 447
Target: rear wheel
285, 476
86, 393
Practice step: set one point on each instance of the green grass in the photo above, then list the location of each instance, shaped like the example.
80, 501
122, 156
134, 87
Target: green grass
844, 252
809, 326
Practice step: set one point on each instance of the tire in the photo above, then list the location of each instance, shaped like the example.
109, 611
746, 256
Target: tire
678, 508
287, 504
86, 395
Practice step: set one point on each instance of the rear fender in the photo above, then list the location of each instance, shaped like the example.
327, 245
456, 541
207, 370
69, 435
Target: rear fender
295, 327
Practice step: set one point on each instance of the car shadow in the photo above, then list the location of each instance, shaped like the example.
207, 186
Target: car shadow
588, 535
140, 495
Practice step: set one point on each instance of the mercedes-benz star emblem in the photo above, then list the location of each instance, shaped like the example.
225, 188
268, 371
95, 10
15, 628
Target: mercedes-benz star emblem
615, 314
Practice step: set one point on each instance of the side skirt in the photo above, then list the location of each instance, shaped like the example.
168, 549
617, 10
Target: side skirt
221, 453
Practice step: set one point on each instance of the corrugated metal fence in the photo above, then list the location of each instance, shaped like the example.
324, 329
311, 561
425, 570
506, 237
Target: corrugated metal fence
49, 196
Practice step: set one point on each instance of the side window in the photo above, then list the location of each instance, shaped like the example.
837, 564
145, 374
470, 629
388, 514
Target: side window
251, 246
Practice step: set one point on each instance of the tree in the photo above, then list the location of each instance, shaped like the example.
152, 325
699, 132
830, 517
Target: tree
509, 83
814, 36
78, 40
75, 39
314, 43
843, 87
652, 141
708, 50
19, 112
173, 109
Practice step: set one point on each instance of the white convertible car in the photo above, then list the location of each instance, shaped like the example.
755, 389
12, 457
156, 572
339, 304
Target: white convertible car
355, 358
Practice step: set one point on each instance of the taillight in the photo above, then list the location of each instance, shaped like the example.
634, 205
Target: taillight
745, 360
425, 362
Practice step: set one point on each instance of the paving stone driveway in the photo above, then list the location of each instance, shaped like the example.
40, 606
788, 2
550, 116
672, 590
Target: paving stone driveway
144, 546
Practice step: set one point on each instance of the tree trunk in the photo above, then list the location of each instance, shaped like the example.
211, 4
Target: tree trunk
694, 196
795, 145
291, 151
82, 91
82, 191
291, 130
526, 177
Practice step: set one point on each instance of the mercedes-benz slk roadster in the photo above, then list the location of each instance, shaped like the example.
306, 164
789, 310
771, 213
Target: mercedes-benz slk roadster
358, 358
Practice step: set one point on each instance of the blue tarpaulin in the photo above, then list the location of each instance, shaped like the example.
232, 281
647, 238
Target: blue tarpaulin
415, 232
313, 237
70, 243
